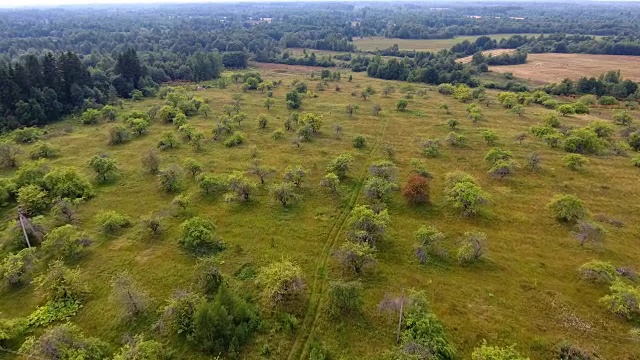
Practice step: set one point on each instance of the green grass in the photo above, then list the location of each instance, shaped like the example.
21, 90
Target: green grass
375, 43
527, 291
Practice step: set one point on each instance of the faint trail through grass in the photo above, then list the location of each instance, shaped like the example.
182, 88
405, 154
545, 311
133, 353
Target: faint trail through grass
318, 288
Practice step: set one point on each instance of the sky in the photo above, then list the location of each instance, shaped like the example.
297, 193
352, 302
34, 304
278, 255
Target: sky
29, 3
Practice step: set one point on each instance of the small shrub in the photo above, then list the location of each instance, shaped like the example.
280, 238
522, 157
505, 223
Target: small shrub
622, 118
636, 161
331, 181
104, 167
151, 161
402, 104
66, 183
65, 242
485, 352
65, 341
277, 134
15, 269
236, 139
624, 300
209, 279
598, 271
119, 134
43, 150
285, 193
198, 236
464, 194
171, 178
281, 282
490, 137
588, 232
567, 208
453, 123
112, 221
607, 100
341, 165
472, 247
345, 298
575, 162
130, 297
32, 199
60, 283
359, 142
27, 135
457, 140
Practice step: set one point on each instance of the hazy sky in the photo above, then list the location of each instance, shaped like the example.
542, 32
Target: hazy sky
22, 3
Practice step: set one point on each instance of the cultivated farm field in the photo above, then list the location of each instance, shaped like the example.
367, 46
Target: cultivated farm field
553, 68
525, 291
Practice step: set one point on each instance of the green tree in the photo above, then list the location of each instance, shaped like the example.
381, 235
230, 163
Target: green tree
171, 178
402, 104
198, 236
341, 165
129, 296
104, 167
60, 283
285, 193
486, 352
33, 199
65, 242
464, 194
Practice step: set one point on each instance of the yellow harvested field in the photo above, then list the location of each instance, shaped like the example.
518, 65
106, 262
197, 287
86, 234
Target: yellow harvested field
551, 68
494, 52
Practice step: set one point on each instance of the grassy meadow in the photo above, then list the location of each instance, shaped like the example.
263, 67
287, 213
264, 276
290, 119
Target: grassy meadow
378, 43
526, 292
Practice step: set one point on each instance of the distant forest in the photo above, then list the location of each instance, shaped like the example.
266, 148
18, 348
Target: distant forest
59, 60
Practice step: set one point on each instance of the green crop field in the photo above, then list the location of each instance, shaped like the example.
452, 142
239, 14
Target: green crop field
375, 43
526, 290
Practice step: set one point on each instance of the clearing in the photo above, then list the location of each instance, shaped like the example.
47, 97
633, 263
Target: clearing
552, 68
375, 43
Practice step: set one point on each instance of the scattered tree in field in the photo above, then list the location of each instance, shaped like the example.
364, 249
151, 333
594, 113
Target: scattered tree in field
193, 167
64, 341
445, 107
359, 142
260, 171
375, 109
552, 121
388, 90
182, 201
520, 137
153, 224
281, 283
239, 118
598, 271
293, 99
268, 103
210, 184
262, 121
341, 165
416, 190
205, 109
567, 208
345, 298
431, 148
497, 154
168, 140
490, 137
196, 140
356, 256
132, 300
588, 232
377, 189
464, 194
15, 269
623, 301
66, 183
112, 221
240, 187
331, 181
352, 109
636, 161
503, 168
65, 242
457, 140
533, 161
430, 240
104, 167
634, 141
32, 199
366, 226
119, 134
311, 120
151, 161
285, 193
518, 110
472, 247
198, 236
295, 175
138, 126
60, 283
402, 104
575, 162
171, 178
453, 123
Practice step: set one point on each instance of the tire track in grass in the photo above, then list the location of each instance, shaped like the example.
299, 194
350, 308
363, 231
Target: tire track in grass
302, 342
